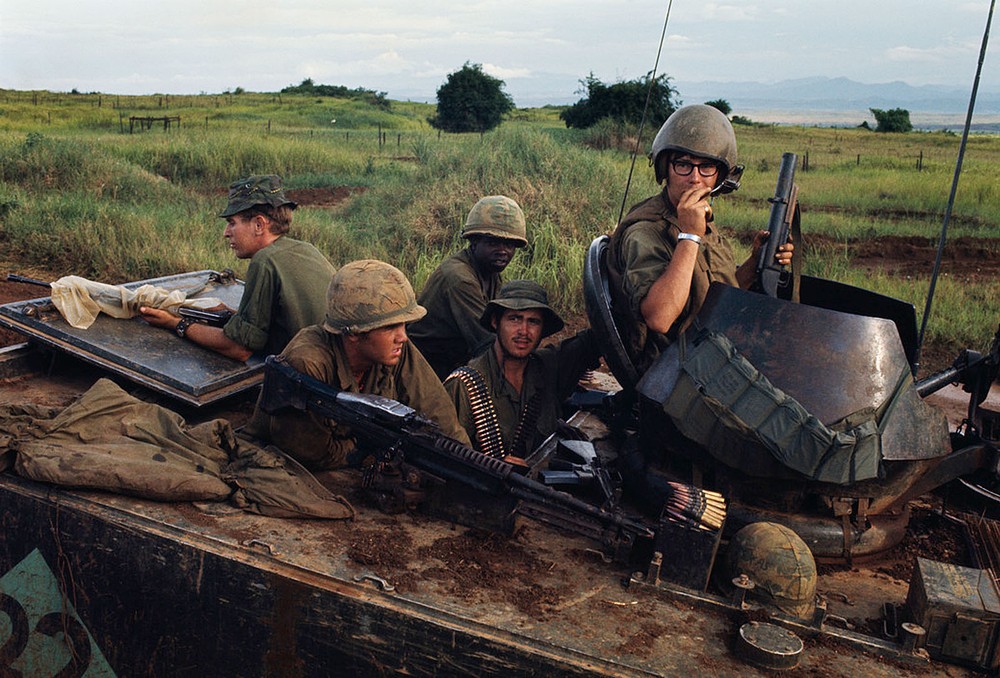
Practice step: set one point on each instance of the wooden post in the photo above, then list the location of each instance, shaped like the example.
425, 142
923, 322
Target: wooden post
859, 160
920, 161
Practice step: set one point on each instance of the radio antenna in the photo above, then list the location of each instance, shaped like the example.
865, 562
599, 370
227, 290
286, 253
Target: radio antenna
954, 187
645, 108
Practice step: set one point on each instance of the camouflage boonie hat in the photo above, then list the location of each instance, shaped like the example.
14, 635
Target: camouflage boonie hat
518, 295
256, 190
368, 294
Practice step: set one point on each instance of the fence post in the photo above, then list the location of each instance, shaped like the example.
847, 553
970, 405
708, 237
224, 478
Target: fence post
920, 161
859, 160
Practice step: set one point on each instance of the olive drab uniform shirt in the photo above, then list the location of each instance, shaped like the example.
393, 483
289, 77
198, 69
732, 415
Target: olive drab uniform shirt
640, 250
455, 297
552, 374
285, 291
322, 444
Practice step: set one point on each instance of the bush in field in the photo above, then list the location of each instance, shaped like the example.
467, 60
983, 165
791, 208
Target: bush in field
894, 120
720, 104
623, 101
471, 101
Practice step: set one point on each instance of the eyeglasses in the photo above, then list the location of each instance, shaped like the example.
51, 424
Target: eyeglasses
683, 168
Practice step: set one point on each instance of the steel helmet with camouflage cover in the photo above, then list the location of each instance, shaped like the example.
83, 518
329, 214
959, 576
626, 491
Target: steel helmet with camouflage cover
780, 564
703, 131
368, 294
497, 216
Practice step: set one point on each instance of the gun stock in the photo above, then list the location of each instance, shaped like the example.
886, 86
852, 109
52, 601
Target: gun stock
213, 318
770, 275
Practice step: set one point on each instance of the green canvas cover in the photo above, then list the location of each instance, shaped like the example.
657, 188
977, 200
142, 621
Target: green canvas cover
109, 440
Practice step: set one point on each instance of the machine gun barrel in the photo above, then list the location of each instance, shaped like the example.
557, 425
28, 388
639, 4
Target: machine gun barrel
14, 277
387, 424
771, 276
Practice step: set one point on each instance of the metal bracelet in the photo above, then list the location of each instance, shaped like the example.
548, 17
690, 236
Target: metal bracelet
696, 239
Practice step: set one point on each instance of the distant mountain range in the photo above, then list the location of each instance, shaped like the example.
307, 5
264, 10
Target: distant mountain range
841, 101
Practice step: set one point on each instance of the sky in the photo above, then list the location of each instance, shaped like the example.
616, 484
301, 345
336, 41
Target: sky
541, 49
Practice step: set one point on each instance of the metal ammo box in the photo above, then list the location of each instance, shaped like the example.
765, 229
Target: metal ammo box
959, 607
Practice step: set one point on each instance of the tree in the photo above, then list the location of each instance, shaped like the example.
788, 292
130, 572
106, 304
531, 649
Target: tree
722, 105
471, 101
895, 120
622, 101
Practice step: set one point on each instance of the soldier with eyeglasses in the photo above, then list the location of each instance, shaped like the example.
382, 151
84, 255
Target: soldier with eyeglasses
668, 249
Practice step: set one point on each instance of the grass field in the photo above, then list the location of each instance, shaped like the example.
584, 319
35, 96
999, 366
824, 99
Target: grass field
80, 194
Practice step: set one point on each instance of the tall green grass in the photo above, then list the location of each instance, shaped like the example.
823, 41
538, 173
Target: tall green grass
78, 196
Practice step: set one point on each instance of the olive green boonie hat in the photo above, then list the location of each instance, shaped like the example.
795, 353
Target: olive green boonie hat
520, 295
253, 191
368, 294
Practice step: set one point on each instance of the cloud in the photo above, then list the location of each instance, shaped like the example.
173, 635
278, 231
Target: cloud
937, 54
506, 73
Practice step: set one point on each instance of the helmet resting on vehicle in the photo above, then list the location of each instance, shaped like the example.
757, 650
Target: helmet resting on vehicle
780, 564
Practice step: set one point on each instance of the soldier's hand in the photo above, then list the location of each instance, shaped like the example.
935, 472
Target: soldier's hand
157, 317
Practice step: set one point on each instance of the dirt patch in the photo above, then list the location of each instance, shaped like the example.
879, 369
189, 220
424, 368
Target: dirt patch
478, 563
324, 197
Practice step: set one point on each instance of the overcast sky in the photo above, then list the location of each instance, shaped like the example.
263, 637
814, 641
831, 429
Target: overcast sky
541, 49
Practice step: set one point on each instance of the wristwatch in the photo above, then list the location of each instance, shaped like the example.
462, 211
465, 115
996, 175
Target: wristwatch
182, 326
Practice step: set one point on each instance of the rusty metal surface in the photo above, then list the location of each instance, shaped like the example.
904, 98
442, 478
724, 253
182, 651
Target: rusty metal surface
165, 589
833, 363
146, 355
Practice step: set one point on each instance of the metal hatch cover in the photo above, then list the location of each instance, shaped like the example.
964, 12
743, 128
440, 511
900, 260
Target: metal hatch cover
138, 352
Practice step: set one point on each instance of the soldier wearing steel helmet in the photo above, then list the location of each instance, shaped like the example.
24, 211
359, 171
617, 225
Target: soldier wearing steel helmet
285, 282
457, 292
361, 347
668, 249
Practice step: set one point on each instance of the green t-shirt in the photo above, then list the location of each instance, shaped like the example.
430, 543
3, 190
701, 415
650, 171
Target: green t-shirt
455, 298
285, 291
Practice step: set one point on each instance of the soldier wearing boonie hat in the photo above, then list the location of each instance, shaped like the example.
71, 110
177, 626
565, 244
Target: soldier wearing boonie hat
456, 293
286, 280
509, 399
360, 346
255, 191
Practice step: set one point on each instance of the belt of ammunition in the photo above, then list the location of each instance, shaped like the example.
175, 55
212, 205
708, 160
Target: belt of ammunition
489, 440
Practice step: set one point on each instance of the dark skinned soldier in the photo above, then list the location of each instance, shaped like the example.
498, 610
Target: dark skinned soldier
457, 292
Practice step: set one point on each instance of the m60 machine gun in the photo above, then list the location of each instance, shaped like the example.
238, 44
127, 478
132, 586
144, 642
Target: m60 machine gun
413, 463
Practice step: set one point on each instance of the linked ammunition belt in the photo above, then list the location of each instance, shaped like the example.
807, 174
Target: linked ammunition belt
527, 422
484, 415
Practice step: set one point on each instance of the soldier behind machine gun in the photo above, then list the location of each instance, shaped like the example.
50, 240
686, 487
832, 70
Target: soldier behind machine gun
509, 399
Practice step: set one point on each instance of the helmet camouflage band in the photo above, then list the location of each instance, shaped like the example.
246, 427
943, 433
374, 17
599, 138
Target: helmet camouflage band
254, 191
698, 130
518, 295
780, 564
368, 294
497, 216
